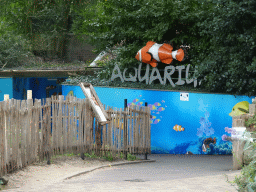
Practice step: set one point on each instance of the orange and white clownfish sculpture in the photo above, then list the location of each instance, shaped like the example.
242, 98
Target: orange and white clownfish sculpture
154, 52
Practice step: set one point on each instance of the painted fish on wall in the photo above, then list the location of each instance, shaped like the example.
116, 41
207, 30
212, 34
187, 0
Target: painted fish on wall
240, 108
207, 142
154, 52
178, 128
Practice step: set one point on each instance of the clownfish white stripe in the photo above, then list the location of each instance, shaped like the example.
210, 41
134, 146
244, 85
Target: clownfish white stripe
174, 53
140, 54
154, 51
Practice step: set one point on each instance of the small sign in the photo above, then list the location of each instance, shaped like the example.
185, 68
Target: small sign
184, 96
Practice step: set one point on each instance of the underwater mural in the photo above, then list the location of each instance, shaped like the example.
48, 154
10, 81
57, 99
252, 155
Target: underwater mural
190, 123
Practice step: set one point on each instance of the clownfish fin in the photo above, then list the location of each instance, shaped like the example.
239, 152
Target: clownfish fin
154, 63
146, 56
180, 55
168, 47
167, 61
150, 44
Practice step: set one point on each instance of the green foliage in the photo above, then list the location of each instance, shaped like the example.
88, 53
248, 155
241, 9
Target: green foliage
13, 50
107, 23
109, 157
246, 182
131, 157
90, 156
44, 23
221, 35
251, 121
229, 62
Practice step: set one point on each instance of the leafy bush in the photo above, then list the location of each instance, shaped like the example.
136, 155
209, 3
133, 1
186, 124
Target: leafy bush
246, 182
13, 50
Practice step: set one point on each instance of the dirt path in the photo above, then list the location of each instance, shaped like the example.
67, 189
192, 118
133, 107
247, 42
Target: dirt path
41, 174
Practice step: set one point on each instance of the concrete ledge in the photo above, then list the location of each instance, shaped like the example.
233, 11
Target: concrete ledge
109, 165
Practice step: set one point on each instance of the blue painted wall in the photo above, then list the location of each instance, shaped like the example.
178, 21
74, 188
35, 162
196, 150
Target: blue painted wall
6, 87
41, 87
203, 117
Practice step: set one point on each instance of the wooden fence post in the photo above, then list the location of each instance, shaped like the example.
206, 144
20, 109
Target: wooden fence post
97, 137
145, 127
6, 99
238, 153
125, 129
29, 124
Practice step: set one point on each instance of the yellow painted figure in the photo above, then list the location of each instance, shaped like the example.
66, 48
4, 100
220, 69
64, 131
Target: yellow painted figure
240, 108
118, 124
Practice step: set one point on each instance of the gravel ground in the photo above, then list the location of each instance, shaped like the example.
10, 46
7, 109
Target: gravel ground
41, 174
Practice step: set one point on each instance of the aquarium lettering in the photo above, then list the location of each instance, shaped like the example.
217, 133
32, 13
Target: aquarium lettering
155, 74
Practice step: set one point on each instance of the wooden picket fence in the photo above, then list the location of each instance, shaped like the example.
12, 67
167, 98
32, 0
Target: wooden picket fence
35, 131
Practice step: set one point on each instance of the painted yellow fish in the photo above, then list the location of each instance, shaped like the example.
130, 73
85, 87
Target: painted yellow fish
178, 128
240, 108
119, 124
71, 93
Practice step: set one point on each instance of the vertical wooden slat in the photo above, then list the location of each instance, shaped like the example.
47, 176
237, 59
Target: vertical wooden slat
125, 135
23, 133
79, 113
82, 126
29, 127
109, 143
36, 127
120, 131
58, 122
133, 128
147, 129
14, 138
53, 103
89, 120
140, 130
43, 130
61, 123
116, 132
49, 134
97, 137
2, 124
40, 131
33, 131
40, 134
66, 126
130, 129
11, 155
76, 126
143, 130
18, 133
104, 138
6, 133
73, 134
69, 124
137, 129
